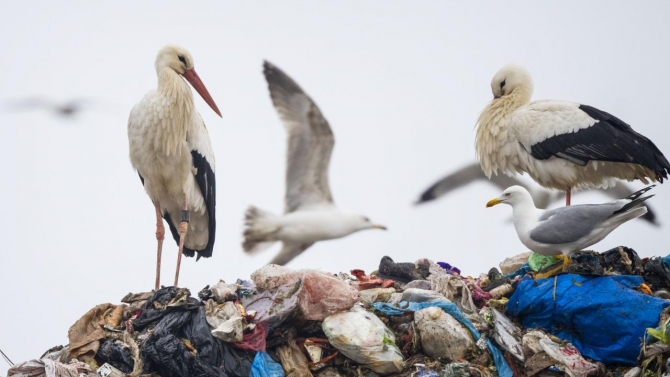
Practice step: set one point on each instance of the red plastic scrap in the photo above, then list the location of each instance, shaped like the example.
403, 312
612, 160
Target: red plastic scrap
254, 340
371, 281
129, 323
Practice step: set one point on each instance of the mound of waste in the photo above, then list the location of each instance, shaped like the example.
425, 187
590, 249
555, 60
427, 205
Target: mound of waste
605, 315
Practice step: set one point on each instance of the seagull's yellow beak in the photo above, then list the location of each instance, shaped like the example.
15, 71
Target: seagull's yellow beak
493, 202
377, 226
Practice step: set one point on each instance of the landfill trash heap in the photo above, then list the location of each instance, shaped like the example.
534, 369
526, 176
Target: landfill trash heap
607, 315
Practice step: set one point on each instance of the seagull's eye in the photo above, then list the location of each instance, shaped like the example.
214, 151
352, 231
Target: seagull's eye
507, 195
366, 219
182, 59
502, 84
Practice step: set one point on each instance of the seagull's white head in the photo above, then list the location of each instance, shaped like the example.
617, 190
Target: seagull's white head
512, 196
179, 60
360, 222
510, 78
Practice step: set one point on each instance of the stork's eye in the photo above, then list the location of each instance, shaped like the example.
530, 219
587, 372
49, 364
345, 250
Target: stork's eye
182, 59
502, 84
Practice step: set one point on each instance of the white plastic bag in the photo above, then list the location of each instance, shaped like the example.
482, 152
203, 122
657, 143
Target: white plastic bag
362, 337
442, 336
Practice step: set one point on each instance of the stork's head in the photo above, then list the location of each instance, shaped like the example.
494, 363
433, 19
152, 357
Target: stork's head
512, 195
509, 78
180, 61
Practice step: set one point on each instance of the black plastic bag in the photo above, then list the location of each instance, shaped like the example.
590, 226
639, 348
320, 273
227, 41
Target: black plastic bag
586, 263
656, 273
403, 272
114, 353
622, 260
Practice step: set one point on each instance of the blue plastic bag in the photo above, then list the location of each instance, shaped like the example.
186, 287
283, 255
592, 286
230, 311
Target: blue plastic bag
451, 309
264, 366
602, 316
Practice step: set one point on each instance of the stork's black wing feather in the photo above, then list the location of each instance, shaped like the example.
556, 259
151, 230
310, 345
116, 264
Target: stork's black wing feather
609, 139
207, 185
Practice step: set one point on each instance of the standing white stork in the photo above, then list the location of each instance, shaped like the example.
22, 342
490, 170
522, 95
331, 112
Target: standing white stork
561, 145
170, 148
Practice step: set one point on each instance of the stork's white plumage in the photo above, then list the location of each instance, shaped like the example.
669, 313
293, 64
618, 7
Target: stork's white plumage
171, 150
561, 145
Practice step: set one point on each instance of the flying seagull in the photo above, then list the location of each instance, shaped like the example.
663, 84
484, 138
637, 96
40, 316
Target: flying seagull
568, 229
67, 109
171, 151
309, 214
561, 145
543, 198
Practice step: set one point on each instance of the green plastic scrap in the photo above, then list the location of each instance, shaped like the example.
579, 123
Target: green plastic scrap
537, 262
661, 332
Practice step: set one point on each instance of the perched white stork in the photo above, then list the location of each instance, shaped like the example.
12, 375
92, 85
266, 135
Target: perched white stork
310, 214
170, 148
561, 145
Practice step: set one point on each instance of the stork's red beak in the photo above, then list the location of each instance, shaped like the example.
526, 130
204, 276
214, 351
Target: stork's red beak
197, 84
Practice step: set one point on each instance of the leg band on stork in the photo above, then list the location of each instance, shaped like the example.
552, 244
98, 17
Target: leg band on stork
183, 229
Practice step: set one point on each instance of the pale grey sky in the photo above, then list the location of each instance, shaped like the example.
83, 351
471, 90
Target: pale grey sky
401, 83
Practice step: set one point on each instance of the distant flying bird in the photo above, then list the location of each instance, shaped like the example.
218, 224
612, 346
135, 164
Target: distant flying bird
66, 109
170, 148
310, 214
543, 198
561, 145
565, 230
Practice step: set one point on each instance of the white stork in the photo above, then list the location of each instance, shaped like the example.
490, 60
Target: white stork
170, 148
561, 145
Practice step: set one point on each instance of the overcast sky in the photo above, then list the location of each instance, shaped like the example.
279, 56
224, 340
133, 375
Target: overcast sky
401, 83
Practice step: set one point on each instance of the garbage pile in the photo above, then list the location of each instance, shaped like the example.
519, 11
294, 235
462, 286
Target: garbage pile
607, 315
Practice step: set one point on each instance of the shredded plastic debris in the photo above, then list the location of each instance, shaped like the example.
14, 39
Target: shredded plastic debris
608, 315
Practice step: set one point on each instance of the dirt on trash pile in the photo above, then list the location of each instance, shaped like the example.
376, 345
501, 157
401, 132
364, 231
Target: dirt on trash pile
606, 315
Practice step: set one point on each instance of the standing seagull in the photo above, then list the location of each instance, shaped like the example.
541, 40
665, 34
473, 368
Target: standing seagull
310, 214
561, 145
170, 148
568, 229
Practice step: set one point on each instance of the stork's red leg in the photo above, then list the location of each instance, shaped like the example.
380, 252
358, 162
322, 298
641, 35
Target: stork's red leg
567, 197
183, 228
160, 236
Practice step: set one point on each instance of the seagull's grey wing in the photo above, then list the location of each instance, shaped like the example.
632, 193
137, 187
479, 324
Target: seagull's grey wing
289, 251
310, 142
462, 177
569, 224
